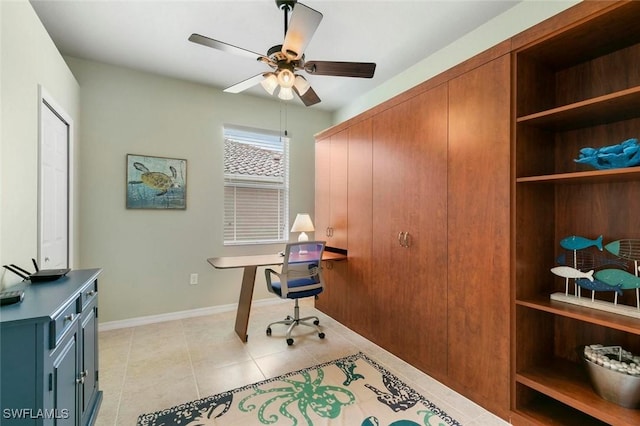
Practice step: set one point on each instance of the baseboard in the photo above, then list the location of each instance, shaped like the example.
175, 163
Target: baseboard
171, 316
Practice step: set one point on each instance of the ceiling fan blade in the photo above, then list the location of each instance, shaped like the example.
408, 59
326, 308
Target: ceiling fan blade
341, 69
245, 84
303, 23
309, 98
225, 47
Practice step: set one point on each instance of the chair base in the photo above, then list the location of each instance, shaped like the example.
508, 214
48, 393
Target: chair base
295, 321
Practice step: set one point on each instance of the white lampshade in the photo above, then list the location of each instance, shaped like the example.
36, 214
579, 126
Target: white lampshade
286, 78
286, 93
270, 83
301, 84
302, 224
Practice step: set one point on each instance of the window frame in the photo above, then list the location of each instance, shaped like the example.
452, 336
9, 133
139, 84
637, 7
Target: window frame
264, 139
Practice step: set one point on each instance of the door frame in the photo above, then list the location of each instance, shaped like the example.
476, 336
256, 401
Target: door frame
45, 100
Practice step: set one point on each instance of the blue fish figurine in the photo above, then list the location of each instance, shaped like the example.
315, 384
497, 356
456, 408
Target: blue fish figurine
575, 242
627, 248
598, 285
585, 260
616, 277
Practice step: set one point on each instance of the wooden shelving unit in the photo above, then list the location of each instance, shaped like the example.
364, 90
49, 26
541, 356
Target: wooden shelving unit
578, 87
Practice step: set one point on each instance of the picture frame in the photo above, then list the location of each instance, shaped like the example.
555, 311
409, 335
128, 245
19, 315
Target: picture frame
157, 183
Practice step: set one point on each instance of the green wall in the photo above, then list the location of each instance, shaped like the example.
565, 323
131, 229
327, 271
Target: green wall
148, 255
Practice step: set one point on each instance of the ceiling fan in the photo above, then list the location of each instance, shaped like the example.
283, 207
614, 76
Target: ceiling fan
288, 58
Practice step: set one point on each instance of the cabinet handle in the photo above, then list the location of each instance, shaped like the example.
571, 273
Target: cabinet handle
91, 293
403, 239
70, 317
80, 379
407, 240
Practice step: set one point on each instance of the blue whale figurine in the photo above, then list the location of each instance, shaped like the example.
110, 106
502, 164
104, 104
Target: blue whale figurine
575, 242
615, 277
598, 285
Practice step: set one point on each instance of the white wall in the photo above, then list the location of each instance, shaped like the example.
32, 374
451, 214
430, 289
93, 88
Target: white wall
28, 59
515, 20
148, 255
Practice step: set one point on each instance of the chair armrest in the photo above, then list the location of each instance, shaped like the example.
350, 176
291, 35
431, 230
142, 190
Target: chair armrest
267, 275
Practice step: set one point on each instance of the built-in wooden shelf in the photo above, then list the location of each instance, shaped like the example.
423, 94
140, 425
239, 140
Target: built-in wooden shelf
581, 313
576, 87
591, 176
568, 383
609, 108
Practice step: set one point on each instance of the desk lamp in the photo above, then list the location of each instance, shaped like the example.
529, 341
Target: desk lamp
302, 224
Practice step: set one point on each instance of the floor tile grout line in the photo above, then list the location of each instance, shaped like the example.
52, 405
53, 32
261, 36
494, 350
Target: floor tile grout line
124, 376
193, 370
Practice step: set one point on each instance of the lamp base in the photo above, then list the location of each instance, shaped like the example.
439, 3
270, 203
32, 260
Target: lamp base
303, 237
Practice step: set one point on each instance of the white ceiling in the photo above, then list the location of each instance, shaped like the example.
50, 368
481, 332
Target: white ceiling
151, 35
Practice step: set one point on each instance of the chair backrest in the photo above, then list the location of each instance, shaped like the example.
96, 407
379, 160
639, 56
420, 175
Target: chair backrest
302, 266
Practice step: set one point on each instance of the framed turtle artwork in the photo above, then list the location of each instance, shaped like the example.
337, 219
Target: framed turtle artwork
156, 182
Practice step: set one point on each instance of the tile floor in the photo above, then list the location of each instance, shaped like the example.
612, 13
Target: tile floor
151, 367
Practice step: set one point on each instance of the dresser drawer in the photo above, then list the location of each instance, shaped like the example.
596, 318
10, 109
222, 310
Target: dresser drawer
89, 294
62, 322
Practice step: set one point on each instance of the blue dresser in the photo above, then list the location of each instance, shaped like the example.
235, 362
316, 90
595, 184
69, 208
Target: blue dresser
49, 371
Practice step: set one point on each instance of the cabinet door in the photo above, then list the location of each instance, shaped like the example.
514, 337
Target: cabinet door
331, 189
360, 282
479, 234
338, 204
323, 189
89, 361
331, 218
65, 374
409, 195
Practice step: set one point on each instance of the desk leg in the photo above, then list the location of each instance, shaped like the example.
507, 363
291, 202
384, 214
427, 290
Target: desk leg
244, 304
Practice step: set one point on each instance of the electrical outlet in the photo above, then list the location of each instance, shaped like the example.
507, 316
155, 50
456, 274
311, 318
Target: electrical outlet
194, 279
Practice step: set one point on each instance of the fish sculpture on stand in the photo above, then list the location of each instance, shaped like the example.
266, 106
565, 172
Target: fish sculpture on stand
626, 249
582, 260
627, 281
569, 272
597, 285
575, 242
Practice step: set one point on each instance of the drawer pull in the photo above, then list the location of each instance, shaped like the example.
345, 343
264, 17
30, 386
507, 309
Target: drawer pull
70, 317
91, 293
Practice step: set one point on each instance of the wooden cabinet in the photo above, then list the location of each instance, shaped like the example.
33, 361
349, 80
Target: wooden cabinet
331, 190
49, 353
409, 230
331, 215
478, 227
361, 284
578, 87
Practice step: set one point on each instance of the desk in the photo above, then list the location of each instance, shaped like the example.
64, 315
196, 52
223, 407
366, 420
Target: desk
250, 265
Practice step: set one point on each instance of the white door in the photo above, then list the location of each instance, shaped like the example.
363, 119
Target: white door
53, 209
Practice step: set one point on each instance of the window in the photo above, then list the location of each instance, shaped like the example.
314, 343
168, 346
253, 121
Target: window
256, 186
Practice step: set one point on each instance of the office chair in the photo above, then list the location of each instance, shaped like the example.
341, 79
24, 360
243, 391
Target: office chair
301, 276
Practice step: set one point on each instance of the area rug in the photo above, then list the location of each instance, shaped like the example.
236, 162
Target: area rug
350, 391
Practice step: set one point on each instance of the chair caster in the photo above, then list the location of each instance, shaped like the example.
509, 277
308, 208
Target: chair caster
316, 322
321, 335
268, 331
289, 341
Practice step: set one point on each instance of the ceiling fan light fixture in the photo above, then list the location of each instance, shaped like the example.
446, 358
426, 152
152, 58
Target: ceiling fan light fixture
286, 78
270, 83
285, 93
301, 84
